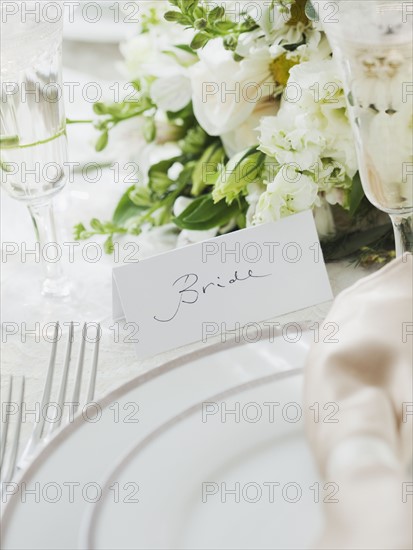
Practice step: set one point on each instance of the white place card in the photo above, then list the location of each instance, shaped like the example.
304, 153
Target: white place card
247, 276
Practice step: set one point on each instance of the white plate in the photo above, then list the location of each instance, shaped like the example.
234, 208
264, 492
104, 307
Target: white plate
85, 453
182, 478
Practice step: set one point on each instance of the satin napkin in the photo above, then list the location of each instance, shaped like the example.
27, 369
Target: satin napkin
360, 384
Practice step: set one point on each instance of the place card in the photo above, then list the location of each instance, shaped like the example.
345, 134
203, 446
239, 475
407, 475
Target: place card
247, 276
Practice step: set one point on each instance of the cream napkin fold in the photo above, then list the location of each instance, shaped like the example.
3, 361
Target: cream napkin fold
366, 447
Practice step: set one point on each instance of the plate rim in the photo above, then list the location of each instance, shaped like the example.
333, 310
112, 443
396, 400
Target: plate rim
85, 541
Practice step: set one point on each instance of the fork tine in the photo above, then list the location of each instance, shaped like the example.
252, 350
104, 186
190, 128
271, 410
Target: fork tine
63, 383
16, 438
62, 393
92, 381
48, 384
79, 370
5, 428
38, 427
44, 428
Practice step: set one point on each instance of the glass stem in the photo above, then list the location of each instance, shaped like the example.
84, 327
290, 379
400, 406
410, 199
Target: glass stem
55, 284
403, 232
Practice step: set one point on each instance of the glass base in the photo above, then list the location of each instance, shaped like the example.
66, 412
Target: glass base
56, 288
403, 232
84, 296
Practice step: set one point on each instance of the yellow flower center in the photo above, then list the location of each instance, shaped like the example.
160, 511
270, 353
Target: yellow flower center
280, 69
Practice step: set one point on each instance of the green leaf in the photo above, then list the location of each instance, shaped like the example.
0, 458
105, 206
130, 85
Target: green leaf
141, 196
185, 114
78, 231
242, 169
198, 11
356, 195
185, 177
206, 169
217, 13
149, 130
224, 26
173, 16
199, 41
126, 209
100, 108
6, 167
108, 245
348, 244
310, 11
231, 42
137, 84
185, 48
164, 165
159, 181
195, 141
242, 220
203, 214
200, 24
188, 5
97, 225
102, 141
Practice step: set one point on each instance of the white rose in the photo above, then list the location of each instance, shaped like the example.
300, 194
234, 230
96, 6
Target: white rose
172, 93
247, 134
324, 220
268, 208
142, 57
333, 181
290, 192
321, 106
225, 92
339, 136
318, 83
255, 190
271, 18
153, 54
316, 47
300, 146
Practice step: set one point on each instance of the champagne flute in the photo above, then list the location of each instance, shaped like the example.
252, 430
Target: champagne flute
372, 42
33, 146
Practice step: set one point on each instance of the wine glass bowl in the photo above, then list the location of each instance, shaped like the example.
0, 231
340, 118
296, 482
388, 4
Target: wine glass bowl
373, 44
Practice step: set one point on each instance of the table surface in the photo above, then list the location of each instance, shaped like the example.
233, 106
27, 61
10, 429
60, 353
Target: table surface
27, 351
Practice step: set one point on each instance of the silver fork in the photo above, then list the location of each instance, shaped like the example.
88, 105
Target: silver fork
45, 426
10, 438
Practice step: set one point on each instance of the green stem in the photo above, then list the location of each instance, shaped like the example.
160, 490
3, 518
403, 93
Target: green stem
41, 142
69, 121
168, 201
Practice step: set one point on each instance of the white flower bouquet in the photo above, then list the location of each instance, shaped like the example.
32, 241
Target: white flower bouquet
239, 118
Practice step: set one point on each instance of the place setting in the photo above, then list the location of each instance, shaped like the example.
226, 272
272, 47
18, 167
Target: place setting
207, 319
